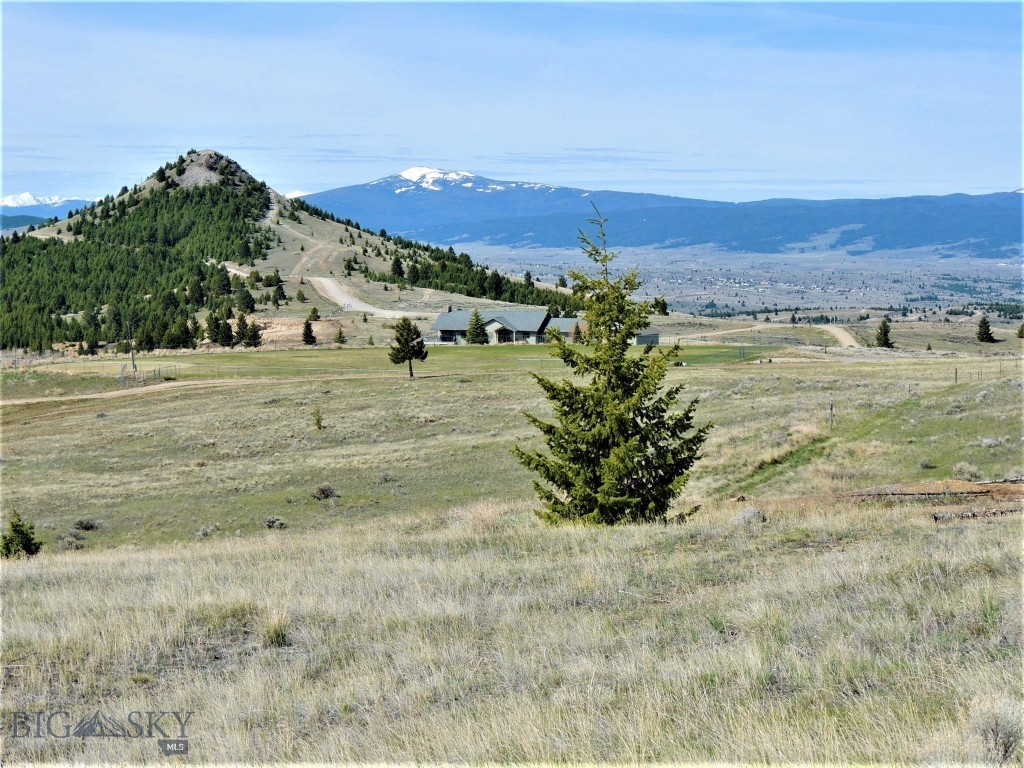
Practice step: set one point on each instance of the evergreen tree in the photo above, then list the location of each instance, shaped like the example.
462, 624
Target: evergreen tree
314, 314
882, 335
397, 270
20, 538
307, 333
475, 332
618, 452
340, 337
225, 336
660, 306
984, 333
245, 301
299, 295
241, 329
407, 345
1020, 331
253, 336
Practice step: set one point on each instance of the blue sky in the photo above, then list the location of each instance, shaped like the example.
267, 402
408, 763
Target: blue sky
727, 101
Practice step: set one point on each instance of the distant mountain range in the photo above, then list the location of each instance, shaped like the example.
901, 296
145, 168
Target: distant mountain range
453, 207
27, 204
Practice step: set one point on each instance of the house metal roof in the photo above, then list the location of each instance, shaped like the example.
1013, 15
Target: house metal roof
523, 322
457, 320
526, 321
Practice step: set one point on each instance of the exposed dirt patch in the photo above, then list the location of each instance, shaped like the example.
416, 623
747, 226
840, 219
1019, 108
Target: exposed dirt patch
842, 335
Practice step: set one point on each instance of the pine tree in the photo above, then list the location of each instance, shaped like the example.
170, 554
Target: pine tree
20, 538
882, 335
225, 336
299, 295
397, 270
340, 337
241, 329
314, 314
253, 336
984, 333
619, 452
1020, 331
475, 332
245, 301
407, 345
307, 333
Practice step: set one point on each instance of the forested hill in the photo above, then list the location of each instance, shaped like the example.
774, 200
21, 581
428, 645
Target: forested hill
151, 257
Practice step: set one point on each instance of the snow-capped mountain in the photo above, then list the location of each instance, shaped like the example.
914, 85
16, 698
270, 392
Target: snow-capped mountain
27, 198
27, 204
452, 207
437, 180
421, 196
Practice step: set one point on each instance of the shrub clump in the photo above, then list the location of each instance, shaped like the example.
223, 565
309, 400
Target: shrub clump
324, 491
275, 522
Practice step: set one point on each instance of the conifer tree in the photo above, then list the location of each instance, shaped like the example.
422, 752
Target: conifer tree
340, 337
984, 333
241, 329
307, 333
314, 314
407, 345
253, 335
475, 331
882, 335
245, 301
1020, 331
619, 451
20, 538
225, 336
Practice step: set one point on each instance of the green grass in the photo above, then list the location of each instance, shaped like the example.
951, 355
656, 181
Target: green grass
441, 361
162, 466
423, 612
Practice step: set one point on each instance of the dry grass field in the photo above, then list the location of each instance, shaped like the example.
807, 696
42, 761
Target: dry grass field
869, 611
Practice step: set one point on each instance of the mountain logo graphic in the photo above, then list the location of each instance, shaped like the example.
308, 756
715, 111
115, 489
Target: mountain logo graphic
100, 725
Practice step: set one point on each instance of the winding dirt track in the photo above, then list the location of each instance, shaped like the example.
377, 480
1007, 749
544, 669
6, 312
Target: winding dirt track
331, 289
845, 337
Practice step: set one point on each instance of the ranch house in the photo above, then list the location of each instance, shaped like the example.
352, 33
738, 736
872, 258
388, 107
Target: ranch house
515, 327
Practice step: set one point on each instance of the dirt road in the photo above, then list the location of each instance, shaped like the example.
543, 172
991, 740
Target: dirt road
844, 336
331, 289
128, 392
